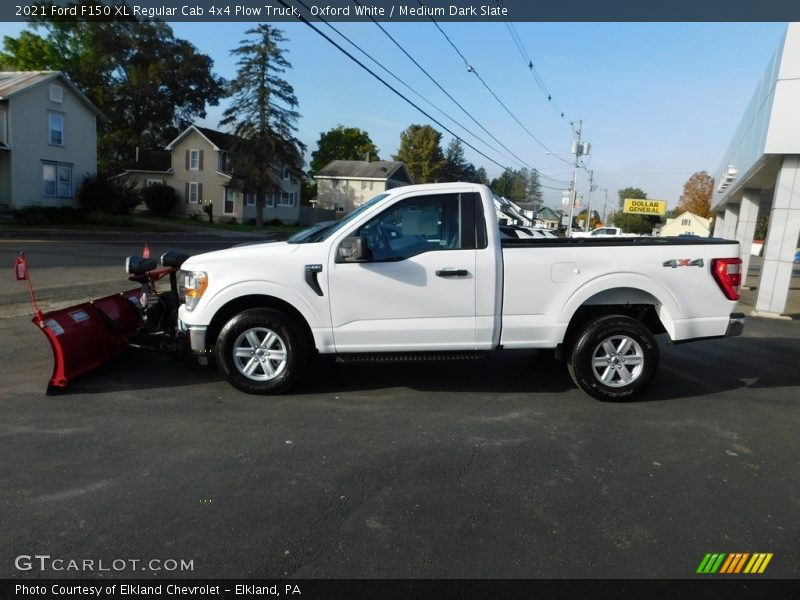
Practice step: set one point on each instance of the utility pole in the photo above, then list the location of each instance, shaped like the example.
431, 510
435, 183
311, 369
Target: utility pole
605, 201
578, 149
589, 202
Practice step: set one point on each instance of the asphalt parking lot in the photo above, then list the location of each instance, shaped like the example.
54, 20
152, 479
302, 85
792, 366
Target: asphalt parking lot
491, 469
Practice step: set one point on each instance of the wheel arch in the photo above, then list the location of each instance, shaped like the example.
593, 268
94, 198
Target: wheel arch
233, 307
633, 302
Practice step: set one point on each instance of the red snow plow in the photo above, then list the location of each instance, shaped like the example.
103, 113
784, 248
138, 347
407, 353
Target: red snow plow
89, 334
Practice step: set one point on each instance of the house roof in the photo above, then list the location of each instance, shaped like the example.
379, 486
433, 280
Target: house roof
361, 169
153, 160
548, 214
15, 82
218, 139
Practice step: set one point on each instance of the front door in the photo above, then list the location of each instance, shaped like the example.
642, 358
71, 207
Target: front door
418, 290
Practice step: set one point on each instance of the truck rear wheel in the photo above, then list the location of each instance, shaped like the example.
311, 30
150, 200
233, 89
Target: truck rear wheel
261, 351
614, 358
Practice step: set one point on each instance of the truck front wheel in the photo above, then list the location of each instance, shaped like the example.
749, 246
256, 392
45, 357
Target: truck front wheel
261, 351
614, 358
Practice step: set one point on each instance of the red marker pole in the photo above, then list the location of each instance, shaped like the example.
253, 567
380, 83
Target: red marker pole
146, 251
21, 272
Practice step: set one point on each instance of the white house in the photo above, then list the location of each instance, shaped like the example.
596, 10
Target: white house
198, 165
686, 224
343, 185
48, 139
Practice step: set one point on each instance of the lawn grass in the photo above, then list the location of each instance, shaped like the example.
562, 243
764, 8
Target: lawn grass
183, 224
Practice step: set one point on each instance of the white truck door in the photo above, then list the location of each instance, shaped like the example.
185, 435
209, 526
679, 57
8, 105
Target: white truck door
417, 292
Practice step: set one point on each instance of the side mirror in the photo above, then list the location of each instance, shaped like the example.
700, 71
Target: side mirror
354, 249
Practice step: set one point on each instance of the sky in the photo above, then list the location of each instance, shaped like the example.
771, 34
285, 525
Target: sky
657, 102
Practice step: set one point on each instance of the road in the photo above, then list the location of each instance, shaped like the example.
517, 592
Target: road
498, 468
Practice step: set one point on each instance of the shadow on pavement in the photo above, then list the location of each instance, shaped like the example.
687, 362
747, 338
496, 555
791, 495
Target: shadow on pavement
703, 368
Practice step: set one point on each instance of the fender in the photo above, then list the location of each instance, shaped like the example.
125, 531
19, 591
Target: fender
261, 287
667, 307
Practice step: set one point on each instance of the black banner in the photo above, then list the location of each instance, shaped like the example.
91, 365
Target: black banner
403, 10
715, 587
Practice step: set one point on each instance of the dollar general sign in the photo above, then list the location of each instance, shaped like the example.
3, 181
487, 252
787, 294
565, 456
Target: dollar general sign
644, 207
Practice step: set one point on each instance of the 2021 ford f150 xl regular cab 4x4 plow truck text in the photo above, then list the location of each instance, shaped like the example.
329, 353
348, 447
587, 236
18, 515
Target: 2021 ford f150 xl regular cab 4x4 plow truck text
423, 272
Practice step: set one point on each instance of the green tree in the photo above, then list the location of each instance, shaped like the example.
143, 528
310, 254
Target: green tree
504, 184
519, 185
481, 176
632, 223
535, 189
420, 149
342, 143
457, 167
263, 116
148, 83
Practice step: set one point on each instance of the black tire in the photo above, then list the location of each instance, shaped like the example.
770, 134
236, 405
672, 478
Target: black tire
614, 358
279, 351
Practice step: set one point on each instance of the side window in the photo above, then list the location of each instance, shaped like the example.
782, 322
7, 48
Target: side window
414, 226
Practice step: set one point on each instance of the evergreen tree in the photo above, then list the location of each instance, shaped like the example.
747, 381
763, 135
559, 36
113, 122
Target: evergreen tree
263, 116
457, 167
420, 149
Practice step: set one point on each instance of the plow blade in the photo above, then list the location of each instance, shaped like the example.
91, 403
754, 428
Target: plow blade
87, 335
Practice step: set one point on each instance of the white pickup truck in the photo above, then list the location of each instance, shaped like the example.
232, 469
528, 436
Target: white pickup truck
421, 272
603, 232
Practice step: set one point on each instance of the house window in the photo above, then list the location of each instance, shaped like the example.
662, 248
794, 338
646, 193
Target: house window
270, 200
56, 128
230, 199
686, 222
287, 199
340, 183
151, 182
287, 171
250, 198
64, 181
57, 180
366, 185
56, 94
49, 176
194, 160
194, 192
338, 206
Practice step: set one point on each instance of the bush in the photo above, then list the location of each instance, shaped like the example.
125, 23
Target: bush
274, 222
160, 199
113, 196
47, 215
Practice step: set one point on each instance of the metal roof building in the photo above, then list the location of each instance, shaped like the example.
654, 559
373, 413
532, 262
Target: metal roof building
760, 175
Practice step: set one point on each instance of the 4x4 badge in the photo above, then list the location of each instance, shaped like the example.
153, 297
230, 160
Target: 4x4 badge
683, 262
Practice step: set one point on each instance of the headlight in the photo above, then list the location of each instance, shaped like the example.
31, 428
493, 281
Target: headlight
193, 285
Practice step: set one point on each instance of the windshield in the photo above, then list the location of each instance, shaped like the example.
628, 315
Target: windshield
349, 217
310, 234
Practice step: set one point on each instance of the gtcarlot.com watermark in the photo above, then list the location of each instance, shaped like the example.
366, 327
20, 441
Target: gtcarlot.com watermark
52, 564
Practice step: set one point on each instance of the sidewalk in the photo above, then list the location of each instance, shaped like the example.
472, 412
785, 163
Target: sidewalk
162, 229
747, 300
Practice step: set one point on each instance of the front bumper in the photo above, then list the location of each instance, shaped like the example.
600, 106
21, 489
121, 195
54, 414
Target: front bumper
735, 324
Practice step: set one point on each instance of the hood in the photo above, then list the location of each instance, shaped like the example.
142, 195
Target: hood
251, 252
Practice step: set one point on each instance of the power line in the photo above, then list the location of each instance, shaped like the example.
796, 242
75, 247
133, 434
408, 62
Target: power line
446, 93
515, 37
472, 69
416, 93
384, 82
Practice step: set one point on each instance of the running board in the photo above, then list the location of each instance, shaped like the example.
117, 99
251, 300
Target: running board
405, 357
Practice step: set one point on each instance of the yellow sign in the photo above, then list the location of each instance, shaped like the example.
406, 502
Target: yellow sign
644, 207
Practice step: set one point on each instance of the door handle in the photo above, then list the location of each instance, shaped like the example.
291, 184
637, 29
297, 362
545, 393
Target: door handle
452, 273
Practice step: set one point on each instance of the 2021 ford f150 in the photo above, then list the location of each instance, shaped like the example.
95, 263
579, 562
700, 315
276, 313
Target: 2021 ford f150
422, 271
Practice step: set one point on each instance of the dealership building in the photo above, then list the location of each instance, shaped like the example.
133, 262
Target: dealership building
760, 175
